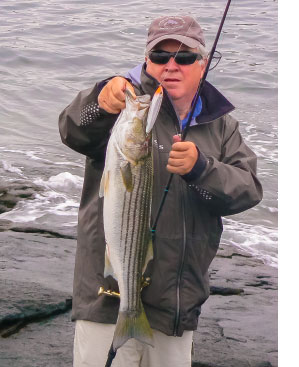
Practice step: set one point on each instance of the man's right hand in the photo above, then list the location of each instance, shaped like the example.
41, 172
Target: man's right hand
112, 96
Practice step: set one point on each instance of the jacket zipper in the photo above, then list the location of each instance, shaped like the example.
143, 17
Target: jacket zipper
179, 278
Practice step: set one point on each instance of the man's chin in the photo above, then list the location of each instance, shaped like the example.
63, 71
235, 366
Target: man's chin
174, 94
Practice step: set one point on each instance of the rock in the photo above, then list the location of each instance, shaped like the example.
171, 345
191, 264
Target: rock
237, 326
11, 324
36, 282
225, 291
34, 258
28, 302
9, 196
42, 231
199, 364
238, 330
47, 343
5, 225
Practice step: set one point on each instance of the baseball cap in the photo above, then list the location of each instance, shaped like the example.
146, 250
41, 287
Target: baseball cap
184, 29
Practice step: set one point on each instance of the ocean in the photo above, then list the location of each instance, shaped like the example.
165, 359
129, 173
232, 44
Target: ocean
50, 50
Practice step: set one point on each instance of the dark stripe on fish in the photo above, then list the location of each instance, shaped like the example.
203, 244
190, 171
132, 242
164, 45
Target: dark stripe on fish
136, 234
125, 226
137, 260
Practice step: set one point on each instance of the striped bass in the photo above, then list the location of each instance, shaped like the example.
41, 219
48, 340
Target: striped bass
126, 186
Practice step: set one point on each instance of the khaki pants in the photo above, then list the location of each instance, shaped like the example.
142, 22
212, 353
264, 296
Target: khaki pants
92, 343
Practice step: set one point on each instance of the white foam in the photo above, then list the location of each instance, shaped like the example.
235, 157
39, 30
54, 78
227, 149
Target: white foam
32, 155
49, 203
258, 240
57, 199
10, 168
11, 150
64, 181
67, 163
68, 206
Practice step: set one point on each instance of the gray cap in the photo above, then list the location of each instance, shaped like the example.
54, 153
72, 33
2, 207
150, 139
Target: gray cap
184, 29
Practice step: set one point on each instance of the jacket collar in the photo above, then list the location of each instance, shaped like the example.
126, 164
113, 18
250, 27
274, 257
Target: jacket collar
214, 104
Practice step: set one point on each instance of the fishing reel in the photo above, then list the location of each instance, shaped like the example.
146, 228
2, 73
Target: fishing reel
144, 283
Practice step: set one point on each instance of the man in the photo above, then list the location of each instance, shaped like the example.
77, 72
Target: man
215, 175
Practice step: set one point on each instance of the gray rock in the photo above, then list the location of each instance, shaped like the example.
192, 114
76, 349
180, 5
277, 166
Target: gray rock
5, 225
237, 327
42, 231
10, 195
25, 303
238, 330
47, 343
225, 291
36, 286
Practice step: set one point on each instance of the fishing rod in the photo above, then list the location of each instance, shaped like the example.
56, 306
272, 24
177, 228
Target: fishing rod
112, 352
185, 131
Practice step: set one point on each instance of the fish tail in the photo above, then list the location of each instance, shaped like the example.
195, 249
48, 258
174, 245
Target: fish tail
132, 324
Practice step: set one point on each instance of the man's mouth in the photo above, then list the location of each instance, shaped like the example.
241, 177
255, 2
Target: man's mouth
170, 80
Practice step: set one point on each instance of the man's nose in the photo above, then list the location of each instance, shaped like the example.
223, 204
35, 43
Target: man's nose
171, 65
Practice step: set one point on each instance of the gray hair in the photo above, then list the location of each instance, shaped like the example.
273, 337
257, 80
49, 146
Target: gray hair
203, 52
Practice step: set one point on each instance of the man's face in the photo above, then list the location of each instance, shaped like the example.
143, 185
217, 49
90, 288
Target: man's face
180, 81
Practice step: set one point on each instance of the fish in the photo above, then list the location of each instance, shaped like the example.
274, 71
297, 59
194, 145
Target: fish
126, 186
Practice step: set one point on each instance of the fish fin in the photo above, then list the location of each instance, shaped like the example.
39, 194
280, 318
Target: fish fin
149, 255
104, 184
154, 109
108, 270
126, 174
132, 324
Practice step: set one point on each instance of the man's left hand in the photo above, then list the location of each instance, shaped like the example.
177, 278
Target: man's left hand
182, 157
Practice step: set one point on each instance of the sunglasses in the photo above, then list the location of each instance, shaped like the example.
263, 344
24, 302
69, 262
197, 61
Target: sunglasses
181, 57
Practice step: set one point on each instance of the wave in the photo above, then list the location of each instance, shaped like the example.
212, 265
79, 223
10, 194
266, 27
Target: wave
257, 240
55, 201
8, 167
64, 181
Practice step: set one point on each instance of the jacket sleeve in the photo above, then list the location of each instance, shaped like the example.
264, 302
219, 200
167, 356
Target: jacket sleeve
229, 185
84, 127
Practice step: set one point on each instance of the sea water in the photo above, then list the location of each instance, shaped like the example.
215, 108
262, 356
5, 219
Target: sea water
50, 50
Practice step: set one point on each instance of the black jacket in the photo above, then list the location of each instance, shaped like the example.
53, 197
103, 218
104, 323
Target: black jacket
223, 182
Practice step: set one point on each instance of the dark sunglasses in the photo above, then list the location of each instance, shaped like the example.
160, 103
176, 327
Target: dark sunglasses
181, 57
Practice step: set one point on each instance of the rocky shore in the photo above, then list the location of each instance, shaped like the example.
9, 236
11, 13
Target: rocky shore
238, 330
237, 327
